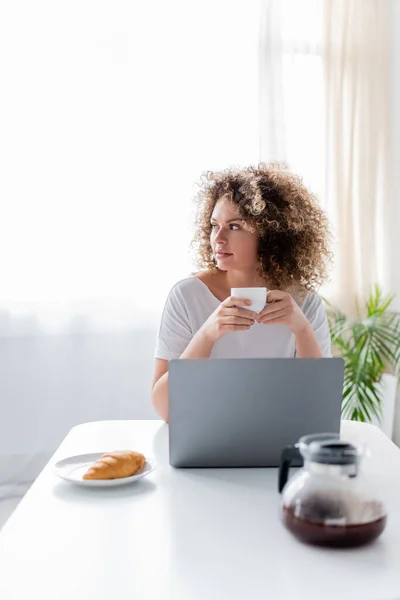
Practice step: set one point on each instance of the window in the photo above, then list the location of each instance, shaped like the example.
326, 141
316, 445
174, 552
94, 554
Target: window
112, 113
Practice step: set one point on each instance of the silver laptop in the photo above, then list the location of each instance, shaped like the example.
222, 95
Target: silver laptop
243, 412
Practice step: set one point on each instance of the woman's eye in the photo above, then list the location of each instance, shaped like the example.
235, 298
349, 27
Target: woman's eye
232, 226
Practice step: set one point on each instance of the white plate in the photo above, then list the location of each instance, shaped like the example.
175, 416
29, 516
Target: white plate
74, 467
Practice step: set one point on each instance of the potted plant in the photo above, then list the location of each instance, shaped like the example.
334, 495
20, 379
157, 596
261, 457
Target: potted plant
370, 347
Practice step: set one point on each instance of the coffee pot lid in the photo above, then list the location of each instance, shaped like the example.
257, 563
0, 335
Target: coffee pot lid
329, 449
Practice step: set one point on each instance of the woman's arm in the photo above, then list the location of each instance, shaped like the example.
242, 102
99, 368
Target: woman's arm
199, 347
282, 309
159, 388
306, 343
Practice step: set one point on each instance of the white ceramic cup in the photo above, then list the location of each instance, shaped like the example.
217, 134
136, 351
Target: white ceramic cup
257, 295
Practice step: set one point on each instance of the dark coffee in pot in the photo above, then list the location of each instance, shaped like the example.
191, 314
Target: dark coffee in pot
321, 523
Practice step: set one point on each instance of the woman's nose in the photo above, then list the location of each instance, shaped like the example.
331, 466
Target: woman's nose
220, 235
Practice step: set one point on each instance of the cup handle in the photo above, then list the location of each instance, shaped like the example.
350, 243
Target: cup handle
288, 454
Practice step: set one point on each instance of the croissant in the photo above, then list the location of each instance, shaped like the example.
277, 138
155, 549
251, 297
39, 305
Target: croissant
113, 465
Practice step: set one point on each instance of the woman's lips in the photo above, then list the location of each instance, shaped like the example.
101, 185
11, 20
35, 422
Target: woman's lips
222, 255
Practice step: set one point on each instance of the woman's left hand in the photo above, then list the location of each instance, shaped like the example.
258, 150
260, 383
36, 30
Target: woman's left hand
282, 309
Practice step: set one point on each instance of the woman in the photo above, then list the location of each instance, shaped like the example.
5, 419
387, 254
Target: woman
257, 227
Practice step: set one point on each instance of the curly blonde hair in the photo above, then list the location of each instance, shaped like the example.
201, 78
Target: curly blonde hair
293, 230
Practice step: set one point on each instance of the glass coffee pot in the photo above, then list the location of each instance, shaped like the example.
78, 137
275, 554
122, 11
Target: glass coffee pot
330, 501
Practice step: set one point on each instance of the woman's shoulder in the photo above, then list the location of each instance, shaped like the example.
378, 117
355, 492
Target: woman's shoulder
191, 282
190, 297
194, 293
311, 302
185, 288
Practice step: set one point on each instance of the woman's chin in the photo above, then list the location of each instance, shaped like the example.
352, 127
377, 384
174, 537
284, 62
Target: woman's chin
221, 265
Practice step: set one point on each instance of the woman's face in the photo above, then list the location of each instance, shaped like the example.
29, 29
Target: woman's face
233, 244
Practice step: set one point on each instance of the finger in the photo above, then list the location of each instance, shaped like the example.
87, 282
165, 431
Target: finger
272, 308
281, 321
235, 320
276, 295
236, 327
273, 317
240, 312
232, 301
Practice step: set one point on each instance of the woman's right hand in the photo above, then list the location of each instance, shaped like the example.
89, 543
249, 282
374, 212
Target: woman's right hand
228, 317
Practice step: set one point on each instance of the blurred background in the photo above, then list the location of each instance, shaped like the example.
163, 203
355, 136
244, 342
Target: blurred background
109, 114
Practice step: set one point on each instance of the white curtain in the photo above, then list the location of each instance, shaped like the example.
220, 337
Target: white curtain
324, 109
291, 100
109, 114
358, 186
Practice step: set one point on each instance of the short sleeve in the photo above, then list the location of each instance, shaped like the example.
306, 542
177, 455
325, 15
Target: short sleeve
315, 312
175, 332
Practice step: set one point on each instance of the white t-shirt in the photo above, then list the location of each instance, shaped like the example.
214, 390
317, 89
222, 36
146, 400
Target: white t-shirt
190, 303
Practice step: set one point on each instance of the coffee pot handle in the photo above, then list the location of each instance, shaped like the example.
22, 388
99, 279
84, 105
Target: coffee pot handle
288, 455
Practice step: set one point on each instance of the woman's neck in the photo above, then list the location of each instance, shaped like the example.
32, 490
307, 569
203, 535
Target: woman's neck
238, 279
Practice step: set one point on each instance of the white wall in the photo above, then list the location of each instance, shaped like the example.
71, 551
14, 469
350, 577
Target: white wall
48, 384
393, 214
393, 217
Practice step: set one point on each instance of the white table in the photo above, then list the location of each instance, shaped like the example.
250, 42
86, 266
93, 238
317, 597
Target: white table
185, 534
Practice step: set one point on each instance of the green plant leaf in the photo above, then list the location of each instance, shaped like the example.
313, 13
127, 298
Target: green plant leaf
369, 345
